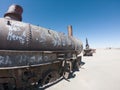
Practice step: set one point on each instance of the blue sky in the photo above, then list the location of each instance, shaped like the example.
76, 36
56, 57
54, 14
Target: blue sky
98, 20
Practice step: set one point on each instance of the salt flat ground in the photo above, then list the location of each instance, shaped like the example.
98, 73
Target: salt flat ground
100, 72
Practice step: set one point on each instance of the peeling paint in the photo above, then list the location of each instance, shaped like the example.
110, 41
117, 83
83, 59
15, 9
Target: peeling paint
56, 39
1, 60
30, 37
26, 59
16, 34
4, 60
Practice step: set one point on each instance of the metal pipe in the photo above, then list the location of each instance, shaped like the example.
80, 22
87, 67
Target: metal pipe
14, 12
70, 33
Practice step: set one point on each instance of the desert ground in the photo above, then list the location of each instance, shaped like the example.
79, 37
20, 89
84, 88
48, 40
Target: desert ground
100, 72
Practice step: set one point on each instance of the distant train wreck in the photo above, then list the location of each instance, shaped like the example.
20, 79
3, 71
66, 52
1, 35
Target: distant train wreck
88, 51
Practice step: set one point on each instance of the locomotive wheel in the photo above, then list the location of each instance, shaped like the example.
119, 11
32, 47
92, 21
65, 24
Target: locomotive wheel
50, 76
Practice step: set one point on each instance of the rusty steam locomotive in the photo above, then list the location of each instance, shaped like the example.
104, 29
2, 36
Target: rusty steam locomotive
30, 54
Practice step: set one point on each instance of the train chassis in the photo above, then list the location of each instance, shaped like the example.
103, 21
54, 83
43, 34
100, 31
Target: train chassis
50, 69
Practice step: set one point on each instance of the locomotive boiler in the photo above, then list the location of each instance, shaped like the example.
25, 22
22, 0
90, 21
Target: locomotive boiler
31, 54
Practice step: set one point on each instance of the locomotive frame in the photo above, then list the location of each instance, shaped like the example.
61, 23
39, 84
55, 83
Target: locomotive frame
41, 67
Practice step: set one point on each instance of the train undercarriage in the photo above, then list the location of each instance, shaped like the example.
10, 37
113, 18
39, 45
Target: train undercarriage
35, 67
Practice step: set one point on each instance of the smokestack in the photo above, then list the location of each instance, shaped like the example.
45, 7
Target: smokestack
14, 12
70, 33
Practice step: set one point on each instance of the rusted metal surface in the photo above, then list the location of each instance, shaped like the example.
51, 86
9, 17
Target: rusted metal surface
22, 58
14, 12
22, 36
10, 59
70, 32
30, 54
22, 77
